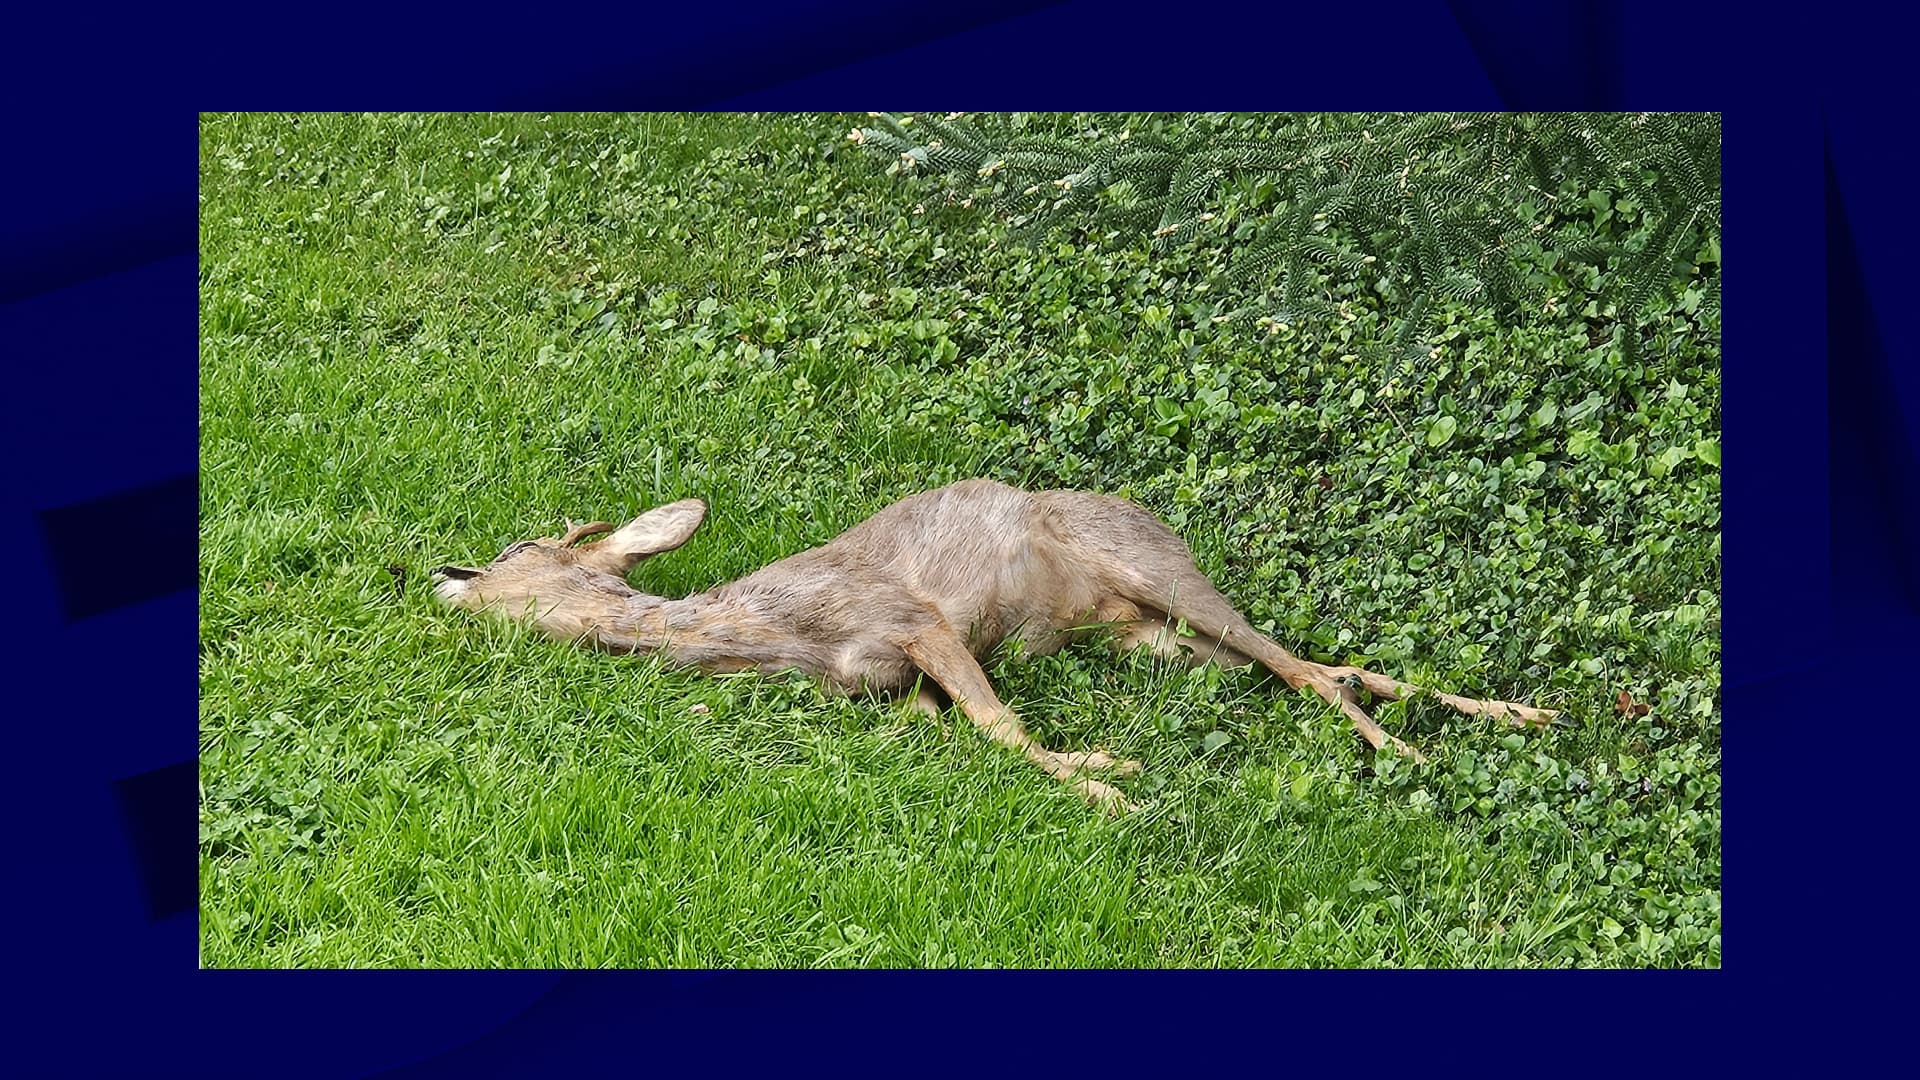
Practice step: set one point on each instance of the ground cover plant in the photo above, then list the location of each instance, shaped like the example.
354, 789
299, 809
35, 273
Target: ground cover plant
423, 337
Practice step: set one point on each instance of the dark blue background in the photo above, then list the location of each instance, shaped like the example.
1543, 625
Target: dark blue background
98, 325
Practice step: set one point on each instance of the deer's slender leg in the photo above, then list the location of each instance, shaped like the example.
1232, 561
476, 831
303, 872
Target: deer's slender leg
1187, 594
1137, 628
1159, 637
1382, 686
1156, 572
923, 701
943, 656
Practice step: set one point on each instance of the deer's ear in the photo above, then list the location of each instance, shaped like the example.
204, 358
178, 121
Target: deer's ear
661, 529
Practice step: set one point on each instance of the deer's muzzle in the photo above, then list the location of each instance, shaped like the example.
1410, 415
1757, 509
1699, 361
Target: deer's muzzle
450, 582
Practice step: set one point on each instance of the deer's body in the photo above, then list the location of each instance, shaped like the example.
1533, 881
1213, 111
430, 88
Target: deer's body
986, 560
925, 588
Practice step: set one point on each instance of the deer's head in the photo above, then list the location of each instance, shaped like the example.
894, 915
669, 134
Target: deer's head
563, 585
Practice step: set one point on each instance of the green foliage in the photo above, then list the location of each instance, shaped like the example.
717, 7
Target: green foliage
1442, 204
423, 337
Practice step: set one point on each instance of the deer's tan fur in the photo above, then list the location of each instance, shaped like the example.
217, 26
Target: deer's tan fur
927, 586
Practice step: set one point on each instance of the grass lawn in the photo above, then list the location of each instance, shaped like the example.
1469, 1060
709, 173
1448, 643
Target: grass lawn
423, 338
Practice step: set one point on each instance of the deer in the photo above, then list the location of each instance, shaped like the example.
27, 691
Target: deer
908, 603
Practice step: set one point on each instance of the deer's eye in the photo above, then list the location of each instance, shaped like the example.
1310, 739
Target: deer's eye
514, 549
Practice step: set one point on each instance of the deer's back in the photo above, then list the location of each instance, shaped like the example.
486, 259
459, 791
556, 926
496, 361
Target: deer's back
992, 559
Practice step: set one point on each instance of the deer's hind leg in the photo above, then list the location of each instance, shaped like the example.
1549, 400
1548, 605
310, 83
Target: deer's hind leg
1172, 580
1191, 598
924, 699
1135, 628
927, 703
1146, 564
1381, 686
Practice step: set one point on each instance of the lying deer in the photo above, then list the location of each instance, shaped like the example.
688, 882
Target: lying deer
927, 586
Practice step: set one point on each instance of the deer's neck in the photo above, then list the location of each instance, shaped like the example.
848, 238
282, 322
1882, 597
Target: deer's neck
713, 632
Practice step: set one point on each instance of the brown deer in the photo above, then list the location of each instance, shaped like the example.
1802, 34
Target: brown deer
926, 586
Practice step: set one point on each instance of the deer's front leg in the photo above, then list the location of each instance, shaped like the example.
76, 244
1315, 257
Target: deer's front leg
944, 657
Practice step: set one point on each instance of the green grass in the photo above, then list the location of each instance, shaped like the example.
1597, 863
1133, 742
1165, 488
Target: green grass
425, 337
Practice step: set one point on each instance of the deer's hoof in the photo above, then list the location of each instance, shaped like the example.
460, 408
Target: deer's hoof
1105, 796
1102, 762
1537, 719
